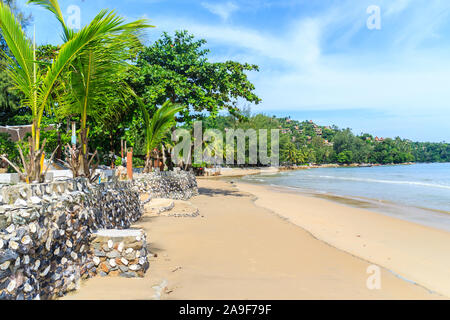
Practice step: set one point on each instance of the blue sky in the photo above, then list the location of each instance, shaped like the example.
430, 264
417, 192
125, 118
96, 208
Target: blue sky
319, 60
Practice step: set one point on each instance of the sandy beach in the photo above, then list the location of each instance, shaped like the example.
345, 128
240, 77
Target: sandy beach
240, 249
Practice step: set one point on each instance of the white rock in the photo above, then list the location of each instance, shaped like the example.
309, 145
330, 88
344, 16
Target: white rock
63, 260
124, 261
96, 260
69, 243
33, 228
120, 248
56, 251
45, 272
5, 265
74, 255
110, 244
26, 240
13, 245
11, 286
142, 261
17, 264
35, 200
20, 203
26, 260
27, 288
2, 243
134, 267
48, 243
129, 250
37, 264
112, 263
11, 228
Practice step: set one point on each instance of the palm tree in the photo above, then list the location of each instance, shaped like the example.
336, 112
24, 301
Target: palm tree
37, 83
96, 73
157, 127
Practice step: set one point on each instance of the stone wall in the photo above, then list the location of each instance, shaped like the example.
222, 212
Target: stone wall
120, 252
48, 239
45, 236
178, 185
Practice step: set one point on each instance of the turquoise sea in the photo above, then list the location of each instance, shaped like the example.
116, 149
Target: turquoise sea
418, 193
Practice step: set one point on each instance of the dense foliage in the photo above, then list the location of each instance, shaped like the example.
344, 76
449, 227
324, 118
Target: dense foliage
305, 142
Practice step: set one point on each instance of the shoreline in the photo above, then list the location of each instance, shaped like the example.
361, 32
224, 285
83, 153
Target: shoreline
384, 207
393, 238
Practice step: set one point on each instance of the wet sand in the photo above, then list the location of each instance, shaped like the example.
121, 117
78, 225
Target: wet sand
237, 249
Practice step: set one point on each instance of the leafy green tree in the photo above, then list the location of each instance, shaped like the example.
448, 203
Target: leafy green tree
10, 106
96, 73
157, 127
37, 84
345, 157
177, 69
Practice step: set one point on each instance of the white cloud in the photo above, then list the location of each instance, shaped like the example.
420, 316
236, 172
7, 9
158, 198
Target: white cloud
397, 6
223, 10
329, 61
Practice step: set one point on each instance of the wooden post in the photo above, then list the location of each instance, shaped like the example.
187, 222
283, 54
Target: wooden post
130, 164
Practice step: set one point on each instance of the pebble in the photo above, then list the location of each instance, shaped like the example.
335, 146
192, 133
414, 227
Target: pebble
26, 240
112, 263
35, 200
11, 228
27, 288
96, 260
135, 267
45, 272
13, 245
33, 228
20, 203
11, 286
5, 265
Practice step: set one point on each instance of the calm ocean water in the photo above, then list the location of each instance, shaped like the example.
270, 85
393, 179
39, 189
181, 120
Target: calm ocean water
419, 193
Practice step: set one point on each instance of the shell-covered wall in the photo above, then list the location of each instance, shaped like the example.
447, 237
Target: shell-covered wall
45, 241
46, 230
178, 185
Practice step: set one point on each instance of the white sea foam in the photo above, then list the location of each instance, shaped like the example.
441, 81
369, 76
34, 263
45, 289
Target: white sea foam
417, 183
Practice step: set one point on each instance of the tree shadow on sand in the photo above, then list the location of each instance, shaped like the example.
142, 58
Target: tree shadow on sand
220, 192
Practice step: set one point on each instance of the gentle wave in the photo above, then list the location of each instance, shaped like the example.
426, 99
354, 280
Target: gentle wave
385, 181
